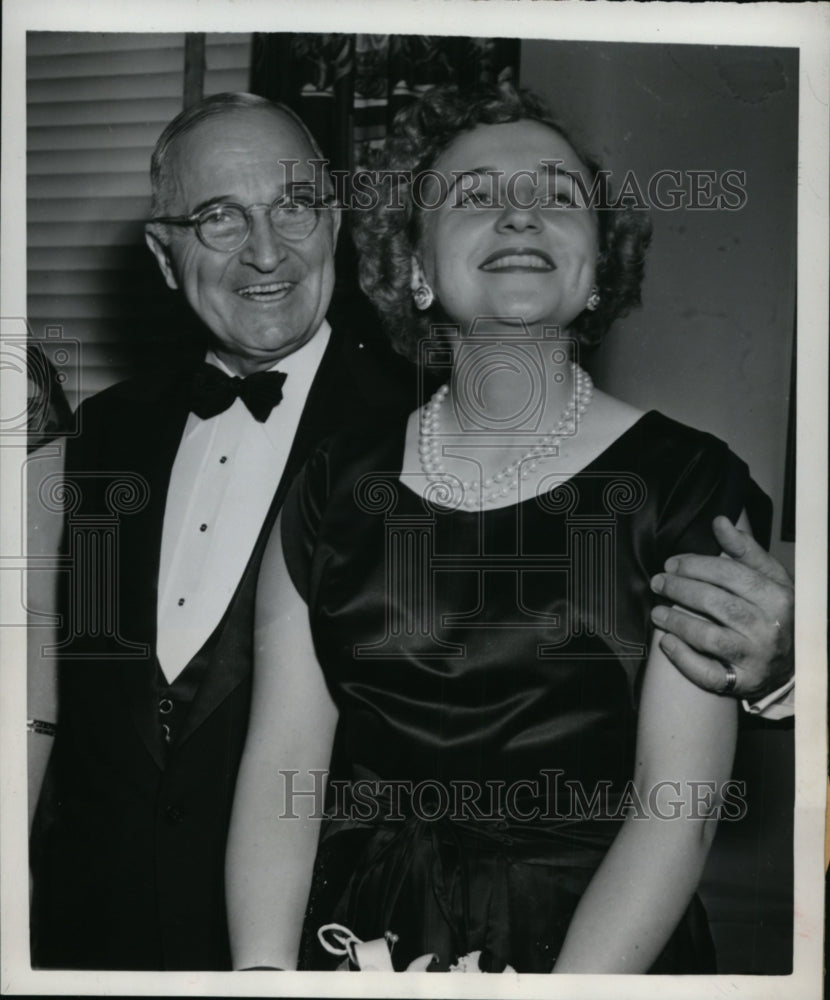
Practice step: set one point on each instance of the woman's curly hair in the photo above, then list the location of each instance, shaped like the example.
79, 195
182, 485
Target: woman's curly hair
387, 233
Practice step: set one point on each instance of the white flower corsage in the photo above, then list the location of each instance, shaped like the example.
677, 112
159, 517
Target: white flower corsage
376, 956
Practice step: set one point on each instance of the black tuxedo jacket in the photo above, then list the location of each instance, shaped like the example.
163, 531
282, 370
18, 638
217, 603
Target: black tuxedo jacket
129, 838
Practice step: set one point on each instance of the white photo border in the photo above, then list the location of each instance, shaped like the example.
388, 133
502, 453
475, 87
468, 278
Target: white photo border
802, 26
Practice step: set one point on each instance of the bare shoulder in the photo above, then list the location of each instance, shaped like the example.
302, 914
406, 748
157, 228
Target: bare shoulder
605, 420
615, 414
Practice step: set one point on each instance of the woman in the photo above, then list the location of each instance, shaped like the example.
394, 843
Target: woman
522, 766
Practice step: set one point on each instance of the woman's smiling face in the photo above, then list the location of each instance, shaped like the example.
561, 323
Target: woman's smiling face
514, 238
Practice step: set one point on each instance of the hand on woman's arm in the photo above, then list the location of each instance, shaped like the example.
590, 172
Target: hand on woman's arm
748, 604
645, 882
270, 859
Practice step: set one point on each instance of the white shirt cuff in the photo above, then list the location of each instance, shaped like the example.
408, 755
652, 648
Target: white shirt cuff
778, 705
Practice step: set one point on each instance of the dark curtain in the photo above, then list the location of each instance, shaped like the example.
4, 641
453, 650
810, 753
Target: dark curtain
347, 89
788, 508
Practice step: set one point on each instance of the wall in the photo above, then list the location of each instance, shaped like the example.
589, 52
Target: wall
712, 344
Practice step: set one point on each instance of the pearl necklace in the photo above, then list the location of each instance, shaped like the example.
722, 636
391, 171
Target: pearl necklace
501, 483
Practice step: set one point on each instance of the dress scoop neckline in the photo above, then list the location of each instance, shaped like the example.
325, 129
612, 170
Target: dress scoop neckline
478, 511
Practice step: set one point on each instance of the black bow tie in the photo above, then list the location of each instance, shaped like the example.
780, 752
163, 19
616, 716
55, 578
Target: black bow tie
212, 392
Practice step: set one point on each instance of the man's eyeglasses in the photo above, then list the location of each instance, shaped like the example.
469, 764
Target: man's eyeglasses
226, 226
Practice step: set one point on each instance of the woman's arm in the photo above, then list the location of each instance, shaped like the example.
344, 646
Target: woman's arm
42, 713
44, 528
270, 857
645, 882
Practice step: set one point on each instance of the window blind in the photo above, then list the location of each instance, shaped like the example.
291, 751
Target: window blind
96, 103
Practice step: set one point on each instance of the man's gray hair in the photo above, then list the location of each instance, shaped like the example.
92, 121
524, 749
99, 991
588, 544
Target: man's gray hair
211, 107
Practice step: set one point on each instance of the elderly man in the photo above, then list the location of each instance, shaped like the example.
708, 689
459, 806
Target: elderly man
129, 840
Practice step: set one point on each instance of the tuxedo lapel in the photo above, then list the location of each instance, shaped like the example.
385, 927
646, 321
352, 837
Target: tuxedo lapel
344, 388
231, 663
325, 409
148, 450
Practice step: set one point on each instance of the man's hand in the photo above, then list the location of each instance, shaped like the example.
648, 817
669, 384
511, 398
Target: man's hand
748, 604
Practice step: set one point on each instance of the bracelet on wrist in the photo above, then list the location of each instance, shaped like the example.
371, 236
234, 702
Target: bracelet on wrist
41, 727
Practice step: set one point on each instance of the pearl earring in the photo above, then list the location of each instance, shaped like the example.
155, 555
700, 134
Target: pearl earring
423, 296
593, 299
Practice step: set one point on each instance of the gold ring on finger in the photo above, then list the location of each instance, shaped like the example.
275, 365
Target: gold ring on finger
729, 680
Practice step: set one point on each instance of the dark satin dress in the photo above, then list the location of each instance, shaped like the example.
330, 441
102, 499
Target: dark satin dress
487, 670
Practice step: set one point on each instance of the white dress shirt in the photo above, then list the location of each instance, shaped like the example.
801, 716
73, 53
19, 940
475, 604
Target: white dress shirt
778, 705
223, 480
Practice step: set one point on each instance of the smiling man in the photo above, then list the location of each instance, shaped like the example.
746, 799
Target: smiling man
129, 840
261, 285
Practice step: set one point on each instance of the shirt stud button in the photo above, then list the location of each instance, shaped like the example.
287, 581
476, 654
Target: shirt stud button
173, 814
181, 601
202, 527
223, 459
